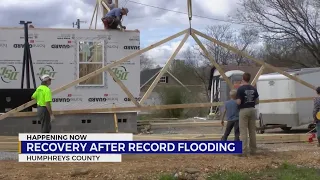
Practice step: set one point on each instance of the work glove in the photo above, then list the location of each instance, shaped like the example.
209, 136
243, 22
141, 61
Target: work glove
52, 117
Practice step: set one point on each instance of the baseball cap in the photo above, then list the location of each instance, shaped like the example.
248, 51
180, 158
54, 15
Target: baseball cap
46, 77
126, 10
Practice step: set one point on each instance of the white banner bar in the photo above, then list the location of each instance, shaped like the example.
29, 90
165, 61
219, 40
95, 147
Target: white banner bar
70, 158
76, 137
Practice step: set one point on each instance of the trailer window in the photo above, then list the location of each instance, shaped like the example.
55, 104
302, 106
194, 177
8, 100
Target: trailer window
91, 58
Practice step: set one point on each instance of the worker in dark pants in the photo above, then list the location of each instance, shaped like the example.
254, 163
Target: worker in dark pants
43, 96
232, 113
113, 18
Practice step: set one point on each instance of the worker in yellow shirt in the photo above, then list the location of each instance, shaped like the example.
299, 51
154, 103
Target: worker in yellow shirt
43, 97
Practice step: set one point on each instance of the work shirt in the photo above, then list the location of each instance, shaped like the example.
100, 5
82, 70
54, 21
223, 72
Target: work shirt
316, 108
115, 12
232, 110
248, 95
42, 95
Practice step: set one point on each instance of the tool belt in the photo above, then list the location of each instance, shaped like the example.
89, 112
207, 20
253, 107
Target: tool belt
108, 20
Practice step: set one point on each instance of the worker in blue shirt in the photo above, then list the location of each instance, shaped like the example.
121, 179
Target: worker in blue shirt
113, 18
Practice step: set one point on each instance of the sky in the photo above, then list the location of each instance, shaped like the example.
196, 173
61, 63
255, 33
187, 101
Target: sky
154, 23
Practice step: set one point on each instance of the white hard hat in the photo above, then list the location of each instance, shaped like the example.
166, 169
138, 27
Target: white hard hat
45, 77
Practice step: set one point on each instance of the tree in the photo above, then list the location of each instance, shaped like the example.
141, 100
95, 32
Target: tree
286, 53
146, 62
222, 33
243, 39
283, 21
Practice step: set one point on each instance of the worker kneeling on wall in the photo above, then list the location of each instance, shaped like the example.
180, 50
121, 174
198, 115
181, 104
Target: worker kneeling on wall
113, 18
43, 96
316, 114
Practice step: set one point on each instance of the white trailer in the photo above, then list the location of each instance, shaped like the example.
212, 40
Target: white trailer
287, 115
68, 54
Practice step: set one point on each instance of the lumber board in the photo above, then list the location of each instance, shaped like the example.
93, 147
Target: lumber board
255, 79
56, 91
163, 70
150, 108
105, 6
179, 81
94, 13
124, 88
261, 138
95, 25
233, 49
191, 124
205, 51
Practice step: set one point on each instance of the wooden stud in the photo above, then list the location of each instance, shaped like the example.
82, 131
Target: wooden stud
95, 26
115, 118
94, 13
56, 91
261, 138
105, 6
178, 81
255, 79
156, 107
212, 61
117, 3
163, 70
254, 59
124, 88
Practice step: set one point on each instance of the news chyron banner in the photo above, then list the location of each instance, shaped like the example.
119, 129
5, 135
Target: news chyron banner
109, 147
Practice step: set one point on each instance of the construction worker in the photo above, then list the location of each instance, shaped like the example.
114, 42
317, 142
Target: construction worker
247, 98
316, 114
43, 97
113, 18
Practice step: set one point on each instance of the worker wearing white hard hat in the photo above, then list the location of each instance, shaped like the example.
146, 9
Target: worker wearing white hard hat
43, 96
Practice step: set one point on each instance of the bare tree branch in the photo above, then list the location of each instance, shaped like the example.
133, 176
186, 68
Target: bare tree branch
146, 62
286, 20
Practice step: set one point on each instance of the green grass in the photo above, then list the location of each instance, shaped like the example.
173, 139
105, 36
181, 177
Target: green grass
284, 172
167, 177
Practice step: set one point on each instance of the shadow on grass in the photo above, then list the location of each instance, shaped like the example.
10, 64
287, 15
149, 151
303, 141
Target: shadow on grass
284, 172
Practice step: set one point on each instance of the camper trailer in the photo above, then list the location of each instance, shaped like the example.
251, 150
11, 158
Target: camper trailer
287, 114
66, 55
220, 89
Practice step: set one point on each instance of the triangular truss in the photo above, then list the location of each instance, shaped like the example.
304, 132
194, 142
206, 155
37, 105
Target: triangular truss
138, 105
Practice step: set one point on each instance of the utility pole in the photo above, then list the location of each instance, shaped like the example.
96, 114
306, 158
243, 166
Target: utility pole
78, 23
27, 60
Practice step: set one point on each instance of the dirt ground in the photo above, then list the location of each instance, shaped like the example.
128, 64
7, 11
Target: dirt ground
148, 167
